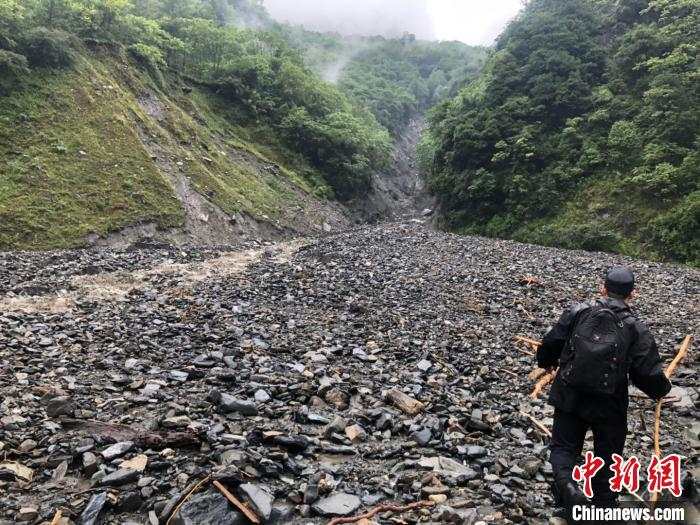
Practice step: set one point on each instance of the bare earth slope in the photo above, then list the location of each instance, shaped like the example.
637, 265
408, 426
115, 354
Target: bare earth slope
269, 368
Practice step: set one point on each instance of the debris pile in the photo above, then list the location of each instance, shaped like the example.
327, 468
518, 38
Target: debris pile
371, 375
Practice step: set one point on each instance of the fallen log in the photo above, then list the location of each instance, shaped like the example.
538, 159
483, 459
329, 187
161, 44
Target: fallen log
670, 369
382, 508
140, 436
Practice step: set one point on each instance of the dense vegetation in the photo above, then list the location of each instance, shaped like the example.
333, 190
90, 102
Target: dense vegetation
395, 79
263, 78
582, 132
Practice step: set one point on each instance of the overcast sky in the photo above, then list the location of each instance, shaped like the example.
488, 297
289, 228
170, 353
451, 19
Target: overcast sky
471, 21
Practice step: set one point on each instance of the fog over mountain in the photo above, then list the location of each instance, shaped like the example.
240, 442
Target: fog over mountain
358, 17
471, 21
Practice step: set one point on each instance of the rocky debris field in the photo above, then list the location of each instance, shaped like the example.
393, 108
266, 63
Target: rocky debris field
299, 382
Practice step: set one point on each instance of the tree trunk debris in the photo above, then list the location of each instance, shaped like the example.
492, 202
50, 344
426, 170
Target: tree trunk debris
139, 436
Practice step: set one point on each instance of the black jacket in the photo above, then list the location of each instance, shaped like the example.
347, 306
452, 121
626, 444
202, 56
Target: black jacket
643, 365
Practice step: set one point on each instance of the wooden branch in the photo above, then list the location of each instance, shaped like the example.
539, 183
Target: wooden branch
252, 517
538, 424
185, 498
682, 351
657, 429
509, 372
526, 352
406, 403
382, 508
532, 342
530, 280
543, 382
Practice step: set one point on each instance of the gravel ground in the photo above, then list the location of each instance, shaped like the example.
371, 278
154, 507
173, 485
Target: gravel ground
313, 379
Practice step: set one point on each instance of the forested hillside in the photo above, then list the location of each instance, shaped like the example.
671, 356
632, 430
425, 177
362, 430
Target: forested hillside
99, 97
109, 108
395, 79
582, 132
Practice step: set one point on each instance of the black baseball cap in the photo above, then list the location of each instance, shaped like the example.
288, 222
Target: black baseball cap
619, 280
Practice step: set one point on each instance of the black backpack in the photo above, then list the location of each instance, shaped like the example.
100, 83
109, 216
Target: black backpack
595, 354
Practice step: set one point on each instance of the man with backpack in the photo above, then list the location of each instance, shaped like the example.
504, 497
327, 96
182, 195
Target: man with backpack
597, 345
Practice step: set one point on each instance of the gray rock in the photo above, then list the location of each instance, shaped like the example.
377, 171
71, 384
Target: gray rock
261, 396
422, 436
117, 450
90, 463
176, 422
92, 510
424, 365
475, 451
27, 513
210, 508
60, 406
178, 375
119, 477
501, 490
259, 498
228, 403
338, 504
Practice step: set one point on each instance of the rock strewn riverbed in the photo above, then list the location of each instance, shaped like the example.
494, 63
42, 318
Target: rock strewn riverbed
311, 379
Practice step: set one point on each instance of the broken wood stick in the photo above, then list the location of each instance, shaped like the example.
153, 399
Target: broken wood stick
252, 517
670, 369
56, 518
682, 351
184, 499
543, 382
382, 508
509, 372
406, 403
533, 343
530, 280
538, 424
526, 352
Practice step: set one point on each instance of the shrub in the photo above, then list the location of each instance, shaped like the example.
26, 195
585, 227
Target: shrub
49, 48
675, 234
151, 58
12, 64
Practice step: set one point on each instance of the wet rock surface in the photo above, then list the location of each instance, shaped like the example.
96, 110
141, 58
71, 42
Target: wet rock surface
376, 365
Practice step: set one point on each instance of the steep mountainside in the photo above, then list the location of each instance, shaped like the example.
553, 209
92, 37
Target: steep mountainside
583, 131
202, 122
101, 147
